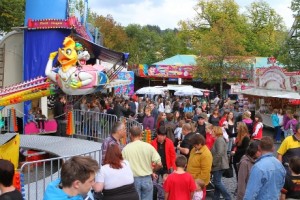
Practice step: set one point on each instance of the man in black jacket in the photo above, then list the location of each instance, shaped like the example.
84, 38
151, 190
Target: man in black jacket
60, 115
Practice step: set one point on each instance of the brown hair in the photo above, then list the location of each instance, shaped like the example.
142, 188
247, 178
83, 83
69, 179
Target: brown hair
78, 168
113, 157
258, 115
266, 144
242, 131
180, 161
197, 139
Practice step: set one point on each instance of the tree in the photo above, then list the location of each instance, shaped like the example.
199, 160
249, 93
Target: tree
11, 14
290, 52
266, 30
114, 35
221, 56
217, 34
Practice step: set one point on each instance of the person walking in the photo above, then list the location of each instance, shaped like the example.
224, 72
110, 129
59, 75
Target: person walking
200, 160
244, 168
165, 148
275, 123
179, 185
143, 159
289, 147
267, 174
219, 164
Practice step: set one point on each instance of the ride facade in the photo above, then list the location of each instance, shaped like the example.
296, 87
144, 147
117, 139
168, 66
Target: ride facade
55, 26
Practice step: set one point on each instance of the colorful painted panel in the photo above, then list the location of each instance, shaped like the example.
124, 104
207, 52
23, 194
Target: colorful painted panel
125, 89
167, 71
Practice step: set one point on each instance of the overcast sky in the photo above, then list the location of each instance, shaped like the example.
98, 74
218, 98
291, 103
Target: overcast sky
167, 13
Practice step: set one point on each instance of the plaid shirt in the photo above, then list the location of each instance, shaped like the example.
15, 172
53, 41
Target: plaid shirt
107, 142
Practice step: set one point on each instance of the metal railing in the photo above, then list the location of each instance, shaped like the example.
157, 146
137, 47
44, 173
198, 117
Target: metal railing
88, 125
38, 174
93, 125
97, 126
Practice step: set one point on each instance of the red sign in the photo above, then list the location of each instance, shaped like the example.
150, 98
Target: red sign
48, 24
70, 23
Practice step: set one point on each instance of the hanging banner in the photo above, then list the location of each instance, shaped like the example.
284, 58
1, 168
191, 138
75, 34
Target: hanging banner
125, 89
166, 71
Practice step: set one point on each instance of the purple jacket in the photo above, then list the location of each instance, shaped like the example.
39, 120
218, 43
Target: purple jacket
285, 121
292, 122
148, 122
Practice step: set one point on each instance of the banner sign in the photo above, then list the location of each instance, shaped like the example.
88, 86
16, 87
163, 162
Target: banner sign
69, 23
125, 89
166, 71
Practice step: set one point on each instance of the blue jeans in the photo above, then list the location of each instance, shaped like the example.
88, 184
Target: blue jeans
278, 133
219, 187
144, 187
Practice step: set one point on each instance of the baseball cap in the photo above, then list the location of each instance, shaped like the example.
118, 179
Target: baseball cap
202, 116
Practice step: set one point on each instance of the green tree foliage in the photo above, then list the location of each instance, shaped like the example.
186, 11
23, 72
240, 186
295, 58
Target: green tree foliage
267, 31
11, 14
290, 53
217, 34
225, 38
113, 34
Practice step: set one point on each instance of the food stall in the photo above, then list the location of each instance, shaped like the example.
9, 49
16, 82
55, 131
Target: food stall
274, 87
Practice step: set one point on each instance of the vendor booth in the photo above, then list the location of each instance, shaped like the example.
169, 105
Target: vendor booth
274, 87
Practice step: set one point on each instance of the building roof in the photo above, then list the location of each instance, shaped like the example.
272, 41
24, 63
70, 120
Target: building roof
183, 60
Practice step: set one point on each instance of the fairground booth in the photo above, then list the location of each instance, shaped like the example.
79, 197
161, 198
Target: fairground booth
273, 87
27, 49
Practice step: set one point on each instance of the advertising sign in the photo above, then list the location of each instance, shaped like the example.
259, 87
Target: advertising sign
167, 71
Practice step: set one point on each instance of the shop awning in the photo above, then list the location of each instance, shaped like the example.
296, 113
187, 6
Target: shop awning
271, 93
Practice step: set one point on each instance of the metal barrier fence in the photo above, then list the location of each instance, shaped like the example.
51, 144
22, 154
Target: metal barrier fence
93, 125
88, 125
97, 126
129, 123
38, 174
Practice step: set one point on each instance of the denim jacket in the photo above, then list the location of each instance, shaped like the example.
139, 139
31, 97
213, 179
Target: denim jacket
266, 179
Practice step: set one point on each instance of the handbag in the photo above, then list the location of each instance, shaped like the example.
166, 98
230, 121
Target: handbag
228, 173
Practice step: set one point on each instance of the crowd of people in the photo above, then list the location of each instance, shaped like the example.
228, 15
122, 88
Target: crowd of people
194, 145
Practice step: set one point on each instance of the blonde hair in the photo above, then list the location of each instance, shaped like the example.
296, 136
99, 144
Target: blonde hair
246, 114
218, 131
